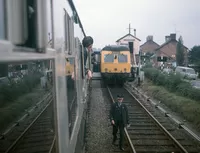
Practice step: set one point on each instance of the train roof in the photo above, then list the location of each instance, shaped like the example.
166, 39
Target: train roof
71, 3
116, 48
96, 52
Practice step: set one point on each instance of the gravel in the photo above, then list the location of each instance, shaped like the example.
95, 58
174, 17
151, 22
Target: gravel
99, 130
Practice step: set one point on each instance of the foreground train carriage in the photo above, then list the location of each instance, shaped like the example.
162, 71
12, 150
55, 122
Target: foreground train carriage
115, 64
50, 31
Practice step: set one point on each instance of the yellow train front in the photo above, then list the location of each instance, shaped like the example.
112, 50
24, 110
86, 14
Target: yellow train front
69, 66
115, 64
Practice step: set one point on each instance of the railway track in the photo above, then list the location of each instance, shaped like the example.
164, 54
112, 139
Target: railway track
38, 136
147, 134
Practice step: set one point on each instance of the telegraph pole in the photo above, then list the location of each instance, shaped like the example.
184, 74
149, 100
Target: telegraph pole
139, 68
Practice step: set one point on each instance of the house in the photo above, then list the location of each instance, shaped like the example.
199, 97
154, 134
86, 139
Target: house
149, 46
147, 49
168, 50
132, 42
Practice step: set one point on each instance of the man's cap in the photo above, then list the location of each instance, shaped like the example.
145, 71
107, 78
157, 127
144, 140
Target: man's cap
120, 96
87, 41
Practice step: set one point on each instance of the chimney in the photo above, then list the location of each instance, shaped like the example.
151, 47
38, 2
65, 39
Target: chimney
149, 38
167, 38
135, 32
173, 36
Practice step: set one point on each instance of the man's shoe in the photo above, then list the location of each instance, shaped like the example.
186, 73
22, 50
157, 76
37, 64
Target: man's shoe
121, 148
114, 140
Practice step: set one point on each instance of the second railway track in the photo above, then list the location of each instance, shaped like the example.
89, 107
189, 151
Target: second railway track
38, 136
147, 134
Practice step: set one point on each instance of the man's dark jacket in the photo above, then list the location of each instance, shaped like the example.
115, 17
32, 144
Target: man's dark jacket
85, 60
114, 113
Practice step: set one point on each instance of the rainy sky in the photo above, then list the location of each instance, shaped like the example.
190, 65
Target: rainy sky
108, 20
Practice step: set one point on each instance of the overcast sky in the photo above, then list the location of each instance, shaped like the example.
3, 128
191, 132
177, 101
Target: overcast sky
108, 20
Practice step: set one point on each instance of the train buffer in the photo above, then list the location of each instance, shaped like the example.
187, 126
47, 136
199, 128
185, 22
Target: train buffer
96, 76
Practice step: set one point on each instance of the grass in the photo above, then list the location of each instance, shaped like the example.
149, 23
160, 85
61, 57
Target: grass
188, 108
11, 112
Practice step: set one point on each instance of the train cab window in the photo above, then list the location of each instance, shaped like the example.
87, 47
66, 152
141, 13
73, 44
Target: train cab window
71, 92
122, 58
108, 58
2, 20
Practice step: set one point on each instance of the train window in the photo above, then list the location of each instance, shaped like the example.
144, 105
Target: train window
71, 92
67, 32
2, 20
26, 99
49, 23
27, 22
122, 58
71, 34
108, 58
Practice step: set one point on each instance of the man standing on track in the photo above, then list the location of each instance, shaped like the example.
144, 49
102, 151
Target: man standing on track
119, 119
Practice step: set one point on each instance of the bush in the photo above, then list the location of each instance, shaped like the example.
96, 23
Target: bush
10, 92
184, 89
161, 79
172, 82
187, 108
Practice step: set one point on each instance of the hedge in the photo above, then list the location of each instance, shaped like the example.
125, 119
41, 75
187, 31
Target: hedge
10, 92
173, 83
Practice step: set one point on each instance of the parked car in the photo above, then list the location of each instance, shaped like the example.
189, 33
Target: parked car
167, 70
186, 72
195, 84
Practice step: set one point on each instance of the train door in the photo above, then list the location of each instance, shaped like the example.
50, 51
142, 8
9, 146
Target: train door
130, 44
96, 57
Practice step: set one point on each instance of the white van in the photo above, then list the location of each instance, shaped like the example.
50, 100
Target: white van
186, 72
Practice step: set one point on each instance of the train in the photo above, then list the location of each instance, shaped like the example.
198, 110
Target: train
115, 65
69, 66
42, 30
96, 60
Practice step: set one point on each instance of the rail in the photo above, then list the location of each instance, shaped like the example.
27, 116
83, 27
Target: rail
28, 112
179, 123
14, 144
126, 132
53, 144
157, 122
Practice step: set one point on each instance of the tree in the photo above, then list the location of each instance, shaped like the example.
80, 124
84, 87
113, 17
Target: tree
194, 55
180, 52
